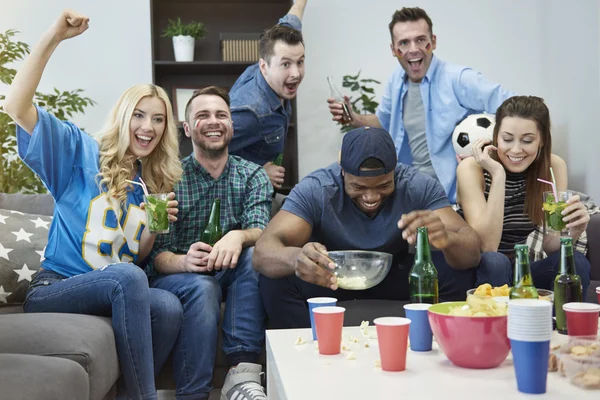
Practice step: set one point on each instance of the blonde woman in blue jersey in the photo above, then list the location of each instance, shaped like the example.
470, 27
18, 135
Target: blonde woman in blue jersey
98, 230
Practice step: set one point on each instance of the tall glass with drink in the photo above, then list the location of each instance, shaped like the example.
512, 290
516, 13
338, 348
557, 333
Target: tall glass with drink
423, 277
553, 208
567, 285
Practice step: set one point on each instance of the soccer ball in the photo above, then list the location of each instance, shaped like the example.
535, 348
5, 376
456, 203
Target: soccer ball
470, 130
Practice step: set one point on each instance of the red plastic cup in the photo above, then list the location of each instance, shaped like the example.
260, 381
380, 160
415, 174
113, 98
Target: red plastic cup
392, 335
582, 318
329, 322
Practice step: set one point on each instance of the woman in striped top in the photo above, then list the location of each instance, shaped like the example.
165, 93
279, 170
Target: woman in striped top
500, 195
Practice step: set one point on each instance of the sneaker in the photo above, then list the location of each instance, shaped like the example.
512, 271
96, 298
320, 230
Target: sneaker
243, 383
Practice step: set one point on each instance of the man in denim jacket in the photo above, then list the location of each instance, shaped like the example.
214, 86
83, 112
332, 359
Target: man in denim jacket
425, 98
261, 97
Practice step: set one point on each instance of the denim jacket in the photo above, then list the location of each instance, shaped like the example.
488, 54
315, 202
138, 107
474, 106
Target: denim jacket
450, 93
260, 119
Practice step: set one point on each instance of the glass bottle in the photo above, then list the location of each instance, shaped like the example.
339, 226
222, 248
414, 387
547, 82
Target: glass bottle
567, 284
523, 287
212, 231
423, 277
278, 160
339, 98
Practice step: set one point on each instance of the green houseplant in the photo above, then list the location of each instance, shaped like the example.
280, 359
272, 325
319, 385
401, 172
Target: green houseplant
15, 176
364, 103
184, 37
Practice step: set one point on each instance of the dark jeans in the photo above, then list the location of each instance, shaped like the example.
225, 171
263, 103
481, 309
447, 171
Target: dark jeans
243, 323
544, 271
285, 298
145, 321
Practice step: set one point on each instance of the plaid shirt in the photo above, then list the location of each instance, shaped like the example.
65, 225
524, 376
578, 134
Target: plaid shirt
246, 195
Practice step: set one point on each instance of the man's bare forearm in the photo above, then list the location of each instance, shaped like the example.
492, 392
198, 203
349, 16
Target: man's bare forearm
298, 8
463, 250
250, 236
274, 260
167, 262
359, 120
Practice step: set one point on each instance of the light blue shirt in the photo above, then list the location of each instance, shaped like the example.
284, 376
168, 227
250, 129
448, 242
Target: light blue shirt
450, 93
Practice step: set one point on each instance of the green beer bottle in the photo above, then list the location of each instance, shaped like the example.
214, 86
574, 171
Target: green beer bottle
278, 160
567, 285
523, 287
212, 231
423, 277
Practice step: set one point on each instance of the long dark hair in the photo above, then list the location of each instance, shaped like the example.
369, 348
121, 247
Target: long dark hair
534, 109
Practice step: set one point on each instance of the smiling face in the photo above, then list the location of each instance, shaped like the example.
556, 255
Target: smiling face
285, 69
209, 125
369, 192
413, 45
519, 141
147, 126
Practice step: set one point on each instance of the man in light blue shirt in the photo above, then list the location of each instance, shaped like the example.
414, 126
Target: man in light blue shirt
425, 99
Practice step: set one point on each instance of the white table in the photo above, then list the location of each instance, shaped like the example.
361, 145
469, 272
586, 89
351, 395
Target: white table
300, 372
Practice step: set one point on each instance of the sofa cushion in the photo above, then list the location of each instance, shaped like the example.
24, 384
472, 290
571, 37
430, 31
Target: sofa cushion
23, 238
85, 339
28, 203
33, 377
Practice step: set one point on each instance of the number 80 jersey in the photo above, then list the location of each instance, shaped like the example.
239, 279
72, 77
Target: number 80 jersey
89, 230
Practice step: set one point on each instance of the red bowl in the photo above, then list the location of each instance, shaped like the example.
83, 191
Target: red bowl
469, 342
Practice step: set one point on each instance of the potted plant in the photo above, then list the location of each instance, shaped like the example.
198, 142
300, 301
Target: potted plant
364, 103
184, 37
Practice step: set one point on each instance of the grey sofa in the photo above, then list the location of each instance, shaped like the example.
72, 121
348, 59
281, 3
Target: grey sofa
77, 352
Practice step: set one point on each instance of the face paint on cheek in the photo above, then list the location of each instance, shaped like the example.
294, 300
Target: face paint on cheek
196, 124
399, 53
428, 47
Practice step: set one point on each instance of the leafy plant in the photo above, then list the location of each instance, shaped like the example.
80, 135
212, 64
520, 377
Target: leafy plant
177, 28
15, 176
363, 103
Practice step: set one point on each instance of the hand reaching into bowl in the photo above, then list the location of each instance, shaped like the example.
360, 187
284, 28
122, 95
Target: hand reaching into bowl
313, 266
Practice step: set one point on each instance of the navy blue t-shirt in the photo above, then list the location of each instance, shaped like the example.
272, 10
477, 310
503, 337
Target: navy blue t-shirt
339, 224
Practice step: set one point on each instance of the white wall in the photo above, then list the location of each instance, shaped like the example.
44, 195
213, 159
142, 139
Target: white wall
528, 46
112, 55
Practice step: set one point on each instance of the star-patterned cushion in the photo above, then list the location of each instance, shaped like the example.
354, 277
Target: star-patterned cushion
23, 239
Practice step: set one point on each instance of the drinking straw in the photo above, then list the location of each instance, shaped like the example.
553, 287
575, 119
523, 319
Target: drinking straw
553, 181
143, 185
553, 189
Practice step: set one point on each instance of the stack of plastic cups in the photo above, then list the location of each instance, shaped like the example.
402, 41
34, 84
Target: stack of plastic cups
530, 331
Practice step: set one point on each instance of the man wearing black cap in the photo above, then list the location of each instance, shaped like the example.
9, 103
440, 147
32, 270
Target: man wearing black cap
365, 202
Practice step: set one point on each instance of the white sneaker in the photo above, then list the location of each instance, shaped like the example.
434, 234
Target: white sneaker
244, 383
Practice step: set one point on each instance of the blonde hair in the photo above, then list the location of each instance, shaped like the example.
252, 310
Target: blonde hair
160, 170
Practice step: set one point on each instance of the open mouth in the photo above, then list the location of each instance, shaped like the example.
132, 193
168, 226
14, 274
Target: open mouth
515, 160
415, 63
143, 140
213, 134
291, 88
370, 206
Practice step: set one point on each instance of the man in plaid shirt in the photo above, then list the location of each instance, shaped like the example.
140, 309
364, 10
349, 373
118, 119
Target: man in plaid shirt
182, 264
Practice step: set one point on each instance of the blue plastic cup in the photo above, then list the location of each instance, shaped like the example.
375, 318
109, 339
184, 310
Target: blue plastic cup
420, 334
318, 302
531, 365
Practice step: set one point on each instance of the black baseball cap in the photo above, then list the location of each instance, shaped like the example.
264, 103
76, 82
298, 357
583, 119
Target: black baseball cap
368, 142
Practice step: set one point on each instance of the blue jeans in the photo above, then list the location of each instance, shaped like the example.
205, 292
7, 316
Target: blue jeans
146, 322
285, 298
243, 324
544, 271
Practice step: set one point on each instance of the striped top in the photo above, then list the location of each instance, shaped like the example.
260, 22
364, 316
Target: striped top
516, 226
